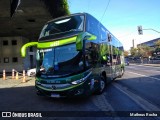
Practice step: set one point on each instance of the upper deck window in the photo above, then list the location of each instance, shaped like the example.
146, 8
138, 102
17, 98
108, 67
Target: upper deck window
63, 25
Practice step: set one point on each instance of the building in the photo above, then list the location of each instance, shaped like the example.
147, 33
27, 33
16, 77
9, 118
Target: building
10, 57
150, 43
156, 53
21, 22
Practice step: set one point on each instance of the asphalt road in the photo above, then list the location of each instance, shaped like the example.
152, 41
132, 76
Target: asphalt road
138, 91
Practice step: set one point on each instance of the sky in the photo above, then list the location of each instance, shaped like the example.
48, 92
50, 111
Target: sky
122, 17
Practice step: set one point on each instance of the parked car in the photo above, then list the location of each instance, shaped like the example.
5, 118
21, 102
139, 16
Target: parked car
31, 72
126, 62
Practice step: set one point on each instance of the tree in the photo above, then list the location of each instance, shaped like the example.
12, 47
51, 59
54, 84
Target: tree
157, 48
133, 52
126, 53
157, 44
144, 51
141, 52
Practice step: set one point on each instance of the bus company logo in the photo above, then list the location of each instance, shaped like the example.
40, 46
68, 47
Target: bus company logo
6, 114
56, 43
54, 87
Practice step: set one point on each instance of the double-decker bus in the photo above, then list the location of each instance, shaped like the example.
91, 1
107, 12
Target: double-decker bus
76, 56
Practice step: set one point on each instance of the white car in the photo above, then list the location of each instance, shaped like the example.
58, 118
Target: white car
31, 72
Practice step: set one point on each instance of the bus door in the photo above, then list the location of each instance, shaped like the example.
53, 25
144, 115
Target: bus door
112, 63
107, 60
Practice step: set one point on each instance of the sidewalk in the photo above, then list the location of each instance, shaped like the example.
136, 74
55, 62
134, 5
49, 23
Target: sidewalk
9, 82
154, 65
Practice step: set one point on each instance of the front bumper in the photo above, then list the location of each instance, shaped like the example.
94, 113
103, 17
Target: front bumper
83, 89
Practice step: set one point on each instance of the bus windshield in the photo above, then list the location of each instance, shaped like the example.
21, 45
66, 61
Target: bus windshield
59, 61
67, 24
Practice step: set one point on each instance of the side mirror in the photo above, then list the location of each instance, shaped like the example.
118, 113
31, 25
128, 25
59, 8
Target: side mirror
109, 37
24, 47
81, 37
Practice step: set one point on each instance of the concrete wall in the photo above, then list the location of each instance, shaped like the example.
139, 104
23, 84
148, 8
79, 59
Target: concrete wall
10, 57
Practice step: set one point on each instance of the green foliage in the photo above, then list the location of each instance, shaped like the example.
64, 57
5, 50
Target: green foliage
126, 53
104, 49
63, 7
57, 8
142, 51
157, 44
115, 51
66, 7
157, 48
133, 52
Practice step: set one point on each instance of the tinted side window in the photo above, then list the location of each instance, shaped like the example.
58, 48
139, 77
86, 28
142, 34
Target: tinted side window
106, 57
115, 42
103, 33
91, 53
92, 26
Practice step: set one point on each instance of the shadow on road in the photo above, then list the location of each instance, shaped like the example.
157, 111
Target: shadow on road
146, 87
25, 99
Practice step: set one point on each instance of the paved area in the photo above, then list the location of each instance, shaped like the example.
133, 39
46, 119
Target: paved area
9, 82
132, 92
155, 65
30, 81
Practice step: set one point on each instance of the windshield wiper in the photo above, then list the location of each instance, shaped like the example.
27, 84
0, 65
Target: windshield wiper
75, 30
72, 30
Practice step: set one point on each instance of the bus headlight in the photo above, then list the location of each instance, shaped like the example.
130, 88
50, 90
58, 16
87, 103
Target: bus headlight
78, 81
81, 80
38, 83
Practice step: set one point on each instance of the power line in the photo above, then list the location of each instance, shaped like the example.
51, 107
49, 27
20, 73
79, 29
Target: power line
105, 9
88, 7
128, 34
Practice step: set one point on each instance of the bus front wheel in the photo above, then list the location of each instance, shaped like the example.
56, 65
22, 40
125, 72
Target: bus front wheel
121, 73
101, 87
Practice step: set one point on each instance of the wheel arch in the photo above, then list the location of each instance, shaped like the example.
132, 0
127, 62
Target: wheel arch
104, 75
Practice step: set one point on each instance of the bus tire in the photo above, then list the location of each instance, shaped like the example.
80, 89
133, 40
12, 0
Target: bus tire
102, 85
122, 72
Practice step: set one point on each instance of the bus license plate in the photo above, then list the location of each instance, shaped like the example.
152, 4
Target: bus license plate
55, 95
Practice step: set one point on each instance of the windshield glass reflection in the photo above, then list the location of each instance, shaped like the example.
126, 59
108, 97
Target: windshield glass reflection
61, 60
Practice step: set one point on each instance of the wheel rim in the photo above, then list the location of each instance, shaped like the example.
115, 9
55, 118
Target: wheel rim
122, 71
102, 85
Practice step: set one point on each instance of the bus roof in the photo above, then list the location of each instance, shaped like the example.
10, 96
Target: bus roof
87, 14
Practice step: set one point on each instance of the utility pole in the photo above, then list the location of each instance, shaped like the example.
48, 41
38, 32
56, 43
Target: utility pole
133, 43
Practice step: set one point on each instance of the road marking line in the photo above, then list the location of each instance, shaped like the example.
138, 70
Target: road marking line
144, 75
139, 100
102, 103
152, 70
144, 70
